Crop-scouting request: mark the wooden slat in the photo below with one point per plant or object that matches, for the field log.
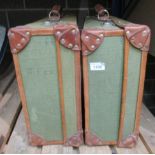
(139, 149)
(8, 115)
(147, 130)
(5, 83)
(18, 142)
(58, 149)
(95, 150)
(7, 96)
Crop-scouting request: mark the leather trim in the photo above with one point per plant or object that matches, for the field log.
(91, 40)
(92, 139)
(138, 35)
(129, 142)
(68, 36)
(18, 38)
(76, 140)
(36, 140)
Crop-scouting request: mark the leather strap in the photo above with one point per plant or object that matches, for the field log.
(103, 14)
(54, 14)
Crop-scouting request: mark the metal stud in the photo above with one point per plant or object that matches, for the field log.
(73, 31)
(98, 40)
(58, 33)
(128, 32)
(76, 46)
(27, 33)
(144, 33)
(18, 45)
(62, 41)
(140, 45)
(86, 37)
(70, 45)
(86, 52)
(92, 46)
(14, 50)
(23, 40)
(12, 34)
(101, 35)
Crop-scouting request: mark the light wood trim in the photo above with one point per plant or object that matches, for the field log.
(78, 89)
(112, 33)
(21, 91)
(140, 90)
(47, 31)
(61, 90)
(86, 94)
(124, 88)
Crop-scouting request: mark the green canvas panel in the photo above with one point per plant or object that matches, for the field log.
(39, 72)
(105, 89)
(95, 24)
(42, 22)
(68, 70)
(132, 90)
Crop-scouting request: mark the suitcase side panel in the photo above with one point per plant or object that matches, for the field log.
(68, 70)
(40, 85)
(105, 108)
(134, 63)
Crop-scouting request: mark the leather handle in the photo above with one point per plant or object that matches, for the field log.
(99, 9)
(103, 14)
(54, 14)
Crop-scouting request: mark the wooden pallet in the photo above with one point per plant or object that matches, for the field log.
(13, 134)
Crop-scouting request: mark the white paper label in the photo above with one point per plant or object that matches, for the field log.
(97, 66)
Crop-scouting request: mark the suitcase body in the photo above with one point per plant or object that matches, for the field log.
(114, 61)
(47, 62)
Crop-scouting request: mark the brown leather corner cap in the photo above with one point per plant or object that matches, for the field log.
(68, 36)
(138, 35)
(18, 38)
(91, 40)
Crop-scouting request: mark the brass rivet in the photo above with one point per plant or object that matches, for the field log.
(144, 33)
(58, 33)
(73, 31)
(18, 45)
(70, 45)
(14, 50)
(140, 45)
(27, 33)
(98, 40)
(128, 32)
(92, 46)
(62, 41)
(12, 34)
(23, 40)
(101, 35)
(76, 46)
(87, 37)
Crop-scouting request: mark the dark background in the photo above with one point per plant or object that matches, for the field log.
(19, 12)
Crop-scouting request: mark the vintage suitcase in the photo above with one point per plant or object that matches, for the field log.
(46, 55)
(114, 61)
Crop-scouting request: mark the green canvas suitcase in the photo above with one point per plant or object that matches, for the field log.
(46, 55)
(114, 61)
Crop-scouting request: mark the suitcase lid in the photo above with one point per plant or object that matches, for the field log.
(95, 30)
(64, 29)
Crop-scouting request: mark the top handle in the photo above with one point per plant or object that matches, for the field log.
(54, 14)
(103, 14)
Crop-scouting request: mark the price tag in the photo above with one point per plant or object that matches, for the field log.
(97, 66)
